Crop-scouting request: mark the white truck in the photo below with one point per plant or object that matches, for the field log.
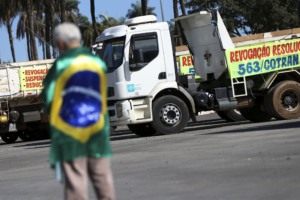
(20, 106)
(145, 92)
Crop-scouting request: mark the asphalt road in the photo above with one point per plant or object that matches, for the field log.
(212, 159)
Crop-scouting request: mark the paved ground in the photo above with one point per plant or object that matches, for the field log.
(210, 160)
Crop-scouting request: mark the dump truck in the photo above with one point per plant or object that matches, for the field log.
(260, 77)
(20, 106)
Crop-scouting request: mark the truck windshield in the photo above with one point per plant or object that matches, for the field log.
(112, 53)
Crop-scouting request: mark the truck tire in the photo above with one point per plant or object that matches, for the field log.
(142, 130)
(170, 115)
(10, 137)
(25, 135)
(255, 114)
(283, 100)
(233, 115)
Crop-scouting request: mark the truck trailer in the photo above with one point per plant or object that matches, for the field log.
(20, 105)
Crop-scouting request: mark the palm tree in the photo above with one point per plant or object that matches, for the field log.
(38, 30)
(107, 22)
(86, 29)
(30, 18)
(92, 2)
(8, 11)
(67, 12)
(23, 31)
(56, 13)
(136, 10)
(39, 27)
(45, 14)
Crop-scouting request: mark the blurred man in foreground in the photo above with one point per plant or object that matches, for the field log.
(75, 97)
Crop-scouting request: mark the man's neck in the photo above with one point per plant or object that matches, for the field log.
(73, 45)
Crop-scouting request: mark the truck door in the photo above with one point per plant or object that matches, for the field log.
(145, 63)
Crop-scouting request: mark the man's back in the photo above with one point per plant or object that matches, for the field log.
(75, 97)
(78, 114)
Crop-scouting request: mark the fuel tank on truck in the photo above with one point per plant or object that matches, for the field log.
(207, 39)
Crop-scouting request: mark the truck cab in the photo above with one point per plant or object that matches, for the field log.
(140, 65)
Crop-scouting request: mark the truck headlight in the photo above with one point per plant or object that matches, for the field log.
(3, 118)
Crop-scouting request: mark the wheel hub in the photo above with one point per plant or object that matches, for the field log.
(171, 114)
(290, 100)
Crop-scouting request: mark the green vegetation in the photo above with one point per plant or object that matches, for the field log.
(251, 17)
(139, 9)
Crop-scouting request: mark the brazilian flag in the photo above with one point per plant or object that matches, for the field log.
(74, 95)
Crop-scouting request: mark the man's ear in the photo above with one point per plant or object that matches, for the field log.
(61, 46)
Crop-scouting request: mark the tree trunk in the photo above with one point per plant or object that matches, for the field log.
(54, 54)
(92, 2)
(182, 6)
(28, 44)
(11, 39)
(34, 54)
(48, 19)
(62, 10)
(178, 40)
(175, 8)
(144, 7)
(43, 49)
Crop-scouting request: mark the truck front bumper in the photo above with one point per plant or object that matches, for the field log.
(131, 111)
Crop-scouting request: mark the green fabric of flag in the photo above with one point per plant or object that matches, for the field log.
(74, 95)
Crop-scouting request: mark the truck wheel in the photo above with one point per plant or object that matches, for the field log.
(170, 114)
(283, 100)
(233, 115)
(9, 137)
(25, 135)
(142, 130)
(255, 114)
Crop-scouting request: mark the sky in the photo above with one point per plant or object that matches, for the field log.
(113, 8)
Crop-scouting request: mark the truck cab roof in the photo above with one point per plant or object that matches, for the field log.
(148, 22)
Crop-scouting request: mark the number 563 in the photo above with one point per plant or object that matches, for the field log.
(248, 68)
